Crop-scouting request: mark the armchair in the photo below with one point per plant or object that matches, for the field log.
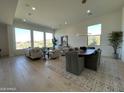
(33, 53)
(54, 54)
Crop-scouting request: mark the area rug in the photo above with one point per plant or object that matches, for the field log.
(106, 79)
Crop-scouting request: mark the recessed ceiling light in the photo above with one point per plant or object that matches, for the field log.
(88, 11)
(33, 8)
(24, 20)
(66, 22)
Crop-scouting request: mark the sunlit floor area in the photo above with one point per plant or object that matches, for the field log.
(22, 74)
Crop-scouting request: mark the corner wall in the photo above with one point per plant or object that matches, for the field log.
(4, 39)
(78, 32)
(123, 34)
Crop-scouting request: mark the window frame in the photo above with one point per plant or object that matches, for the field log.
(15, 38)
(34, 40)
(94, 35)
(32, 37)
(46, 39)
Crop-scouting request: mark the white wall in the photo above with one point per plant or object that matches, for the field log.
(4, 39)
(11, 42)
(20, 24)
(123, 34)
(110, 22)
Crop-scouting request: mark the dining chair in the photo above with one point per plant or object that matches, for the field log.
(93, 61)
(74, 63)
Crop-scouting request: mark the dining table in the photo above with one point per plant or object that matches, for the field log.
(87, 52)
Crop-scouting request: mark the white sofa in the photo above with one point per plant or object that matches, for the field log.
(54, 54)
(34, 53)
(64, 50)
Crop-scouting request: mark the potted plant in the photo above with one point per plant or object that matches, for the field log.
(115, 39)
(54, 41)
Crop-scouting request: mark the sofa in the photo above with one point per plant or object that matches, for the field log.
(34, 53)
(54, 54)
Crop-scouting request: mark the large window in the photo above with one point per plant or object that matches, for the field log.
(23, 38)
(49, 37)
(38, 38)
(94, 33)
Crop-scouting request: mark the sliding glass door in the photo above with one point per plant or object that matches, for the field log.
(38, 38)
(22, 38)
(49, 37)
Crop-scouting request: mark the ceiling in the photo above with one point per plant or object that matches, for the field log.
(7, 11)
(54, 13)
